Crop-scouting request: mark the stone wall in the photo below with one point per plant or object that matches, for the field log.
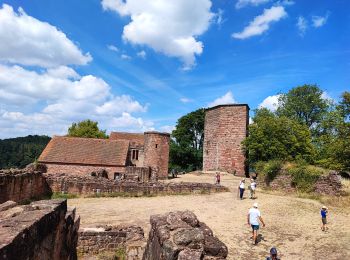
(81, 170)
(329, 184)
(129, 241)
(179, 235)
(91, 185)
(224, 130)
(156, 152)
(21, 185)
(141, 174)
(41, 230)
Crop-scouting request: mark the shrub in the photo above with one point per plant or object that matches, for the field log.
(305, 177)
(267, 171)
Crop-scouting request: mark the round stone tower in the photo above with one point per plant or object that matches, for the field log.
(225, 127)
(156, 152)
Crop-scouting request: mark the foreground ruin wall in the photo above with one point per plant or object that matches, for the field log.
(127, 241)
(179, 235)
(21, 185)
(91, 186)
(42, 230)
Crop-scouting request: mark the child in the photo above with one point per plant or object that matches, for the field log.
(324, 213)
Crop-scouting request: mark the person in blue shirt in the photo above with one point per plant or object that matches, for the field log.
(324, 213)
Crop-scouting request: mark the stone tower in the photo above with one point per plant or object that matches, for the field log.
(225, 127)
(156, 151)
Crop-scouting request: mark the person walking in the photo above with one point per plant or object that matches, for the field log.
(324, 212)
(254, 216)
(273, 254)
(241, 188)
(252, 188)
(218, 178)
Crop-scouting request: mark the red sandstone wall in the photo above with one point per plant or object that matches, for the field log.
(81, 170)
(224, 130)
(156, 152)
(21, 185)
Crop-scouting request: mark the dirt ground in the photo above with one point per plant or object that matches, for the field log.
(292, 224)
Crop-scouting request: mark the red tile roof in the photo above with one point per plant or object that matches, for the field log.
(88, 151)
(136, 139)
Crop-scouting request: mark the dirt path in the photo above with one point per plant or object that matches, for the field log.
(292, 224)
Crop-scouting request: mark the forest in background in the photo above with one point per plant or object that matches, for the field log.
(20, 151)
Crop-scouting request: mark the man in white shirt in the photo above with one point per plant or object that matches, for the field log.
(253, 220)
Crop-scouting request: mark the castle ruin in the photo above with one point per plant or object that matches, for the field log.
(225, 127)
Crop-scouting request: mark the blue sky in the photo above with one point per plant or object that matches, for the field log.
(139, 65)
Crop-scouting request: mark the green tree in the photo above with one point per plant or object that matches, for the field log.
(186, 148)
(272, 137)
(304, 104)
(333, 144)
(86, 128)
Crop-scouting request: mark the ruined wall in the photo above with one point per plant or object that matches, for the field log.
(91, 186)
(224, 130)
(21, 185)
(41, 230)
(179, 235)
(329, 184)
(156, 153)
(81, 170)
(140, 174)
(129, 241)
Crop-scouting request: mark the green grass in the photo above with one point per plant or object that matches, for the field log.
(57, 195)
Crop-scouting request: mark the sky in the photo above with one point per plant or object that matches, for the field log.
(139, 65)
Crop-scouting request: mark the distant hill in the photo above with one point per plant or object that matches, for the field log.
(20, 151)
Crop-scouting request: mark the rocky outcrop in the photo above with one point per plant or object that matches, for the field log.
(22, 185)
(41, 230)
(180, 235)
(63, 183)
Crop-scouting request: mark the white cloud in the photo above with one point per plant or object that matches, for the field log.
(319, 21)
(113, 48)
(271, 103)
(28, 41)
(225, 99)
(142, 54)
(169, 27)
(66, 97)
(243, 3)
(219, 20)
(185, 100)
(130, 123)
(167, 128)
(261, 23)
(302, 25)
(125, 57)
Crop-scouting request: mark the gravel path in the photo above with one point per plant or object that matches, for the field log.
(292, 224)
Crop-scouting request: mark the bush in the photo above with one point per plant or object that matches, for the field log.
(268, 170)
(305, 177)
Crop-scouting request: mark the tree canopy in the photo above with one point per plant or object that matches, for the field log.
(186, 146)
(304, 104)
(306, 126)
(86, 128)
